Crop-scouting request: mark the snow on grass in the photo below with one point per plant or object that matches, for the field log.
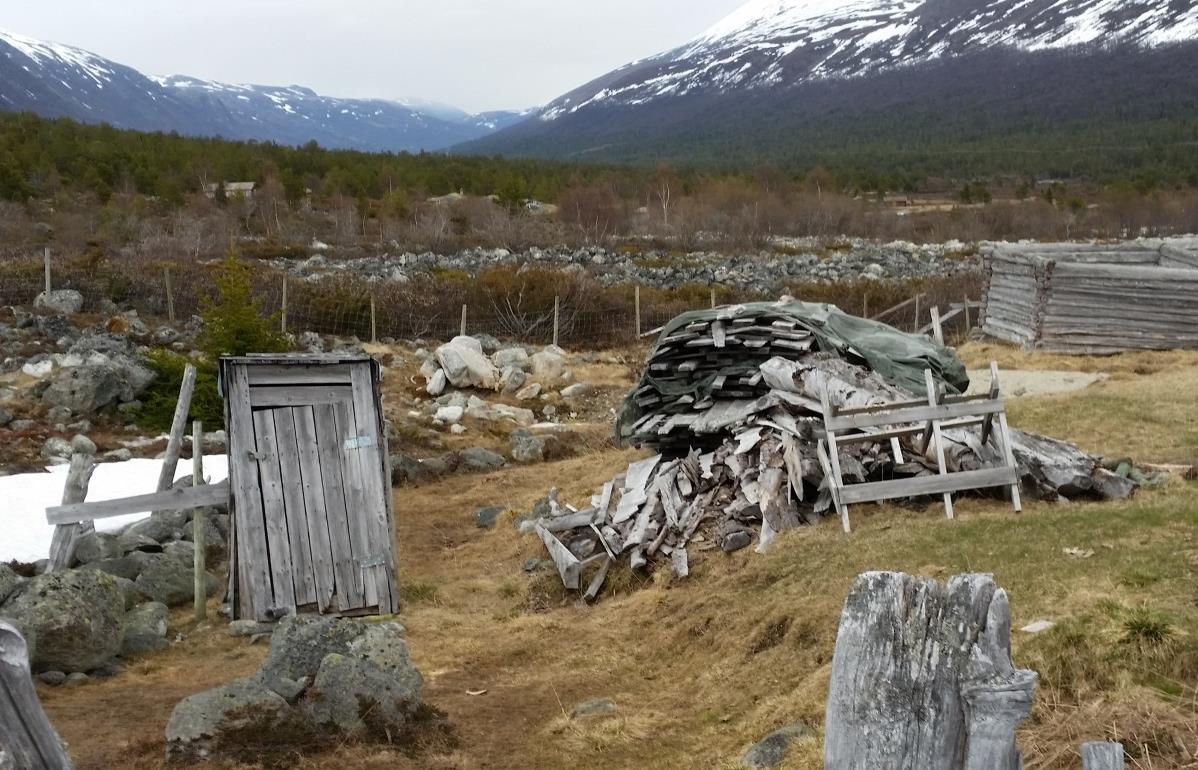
(24, 533)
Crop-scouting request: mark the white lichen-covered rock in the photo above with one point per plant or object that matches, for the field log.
(510, 357)
(465, 364)
(548, 366)
(478, 409)
(450, 415)
(73, 620)
(372, 685)
(436, 383)
(65, 301)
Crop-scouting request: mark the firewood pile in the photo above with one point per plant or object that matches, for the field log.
(736, 455)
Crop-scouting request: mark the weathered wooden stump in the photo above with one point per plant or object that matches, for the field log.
(1102, 756)
(922, 677)
(27, 740)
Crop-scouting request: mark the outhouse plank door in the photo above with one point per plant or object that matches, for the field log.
(307, 454)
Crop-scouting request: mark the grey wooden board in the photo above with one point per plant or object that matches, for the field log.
(173, 499)
(329, 444)
(252, 552)
(1101, 755)
(919, 486)
(373, 513)
(276, 396)
(277, 541)
(66, 536)
(312, 486)
(361, 544)
(298, 374)
(916, 414)
(27, 739)
(303, 573)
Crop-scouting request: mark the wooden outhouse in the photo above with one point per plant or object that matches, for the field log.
(310, 490)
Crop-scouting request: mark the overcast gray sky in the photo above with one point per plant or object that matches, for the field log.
(476, 54)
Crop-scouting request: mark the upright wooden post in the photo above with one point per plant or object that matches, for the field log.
(937, 329)
(713, 297)
(170, 461)
(27, 739)
(865, 306)
(66, 536)
(283, 313)
(557, 308)
(197, 523)
(638, 312)
(965, 307)
(374, 328)
(46, 259)
(170, 295)
(462, 333)
(918, 298)
(1102, 756)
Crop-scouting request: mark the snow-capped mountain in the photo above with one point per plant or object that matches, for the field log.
(773, 43)
(56, 80)
(779, 77)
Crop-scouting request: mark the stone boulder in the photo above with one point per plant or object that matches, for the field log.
(515, 357)
(548, 366)
(73, 620)
(96, 385)
(168, 577)
(373, 686)
(10, 581)
(465, 364)
(65, 301)
(771, 750)
(323, 676)
(479, 409)
(97, 546)
(202, 724)
(145, 628)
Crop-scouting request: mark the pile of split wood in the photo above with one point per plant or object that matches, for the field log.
(732, 468)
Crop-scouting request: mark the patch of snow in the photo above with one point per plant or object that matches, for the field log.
(26, 535)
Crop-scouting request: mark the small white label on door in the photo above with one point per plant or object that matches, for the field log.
(359, 442)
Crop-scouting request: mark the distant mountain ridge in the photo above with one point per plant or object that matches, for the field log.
(779, 79)
(55, 80)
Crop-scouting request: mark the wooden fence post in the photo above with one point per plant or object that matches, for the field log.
(170, 460)
(46, 258)
(918, 297)
(462, 333)
(197, 524)
(638, 312)
(283, 313)
(965, 306)
(27, 739)
(1102, 756)
(865, 306)
(557, 307)
(713, 298)
(374, 328)
(922, 677)
(66, 536)
(937, 329)
(170, 295)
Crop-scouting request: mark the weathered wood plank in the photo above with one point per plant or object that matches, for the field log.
(920, 486)
(170, 460)
(299, 374)
(312, 487)
(27, 739)
(329, 443)
(356, 501)
(1102, 756)
(948, 411)
(173, 499)
(376, 488)
(303, 573)
(66, 534)
(248, 518)
(277, 539)
(301, 395)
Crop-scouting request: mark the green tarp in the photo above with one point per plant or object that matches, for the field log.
(900, 358)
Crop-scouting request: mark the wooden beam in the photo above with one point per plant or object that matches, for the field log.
(66, 536)
(170, 461)
(921, 486)
(172, 499)
(916, 414)
(27, 739)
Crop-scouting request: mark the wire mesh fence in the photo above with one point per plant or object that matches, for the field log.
(574, 312)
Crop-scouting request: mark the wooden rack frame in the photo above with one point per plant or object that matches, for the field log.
(925, 419)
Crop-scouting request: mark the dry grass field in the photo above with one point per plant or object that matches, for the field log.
(702, 667)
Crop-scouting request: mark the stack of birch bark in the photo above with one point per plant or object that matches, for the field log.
(741, 463)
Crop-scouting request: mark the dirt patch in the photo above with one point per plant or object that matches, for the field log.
(1021, 383)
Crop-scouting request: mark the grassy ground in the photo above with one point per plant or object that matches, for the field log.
(702, 667)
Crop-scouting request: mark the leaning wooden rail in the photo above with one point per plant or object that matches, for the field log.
(172, 499)
(27, 739)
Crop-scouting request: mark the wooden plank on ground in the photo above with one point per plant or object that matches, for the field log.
(329, 444)
(275, 511)
(303, 573)
(312, 487)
